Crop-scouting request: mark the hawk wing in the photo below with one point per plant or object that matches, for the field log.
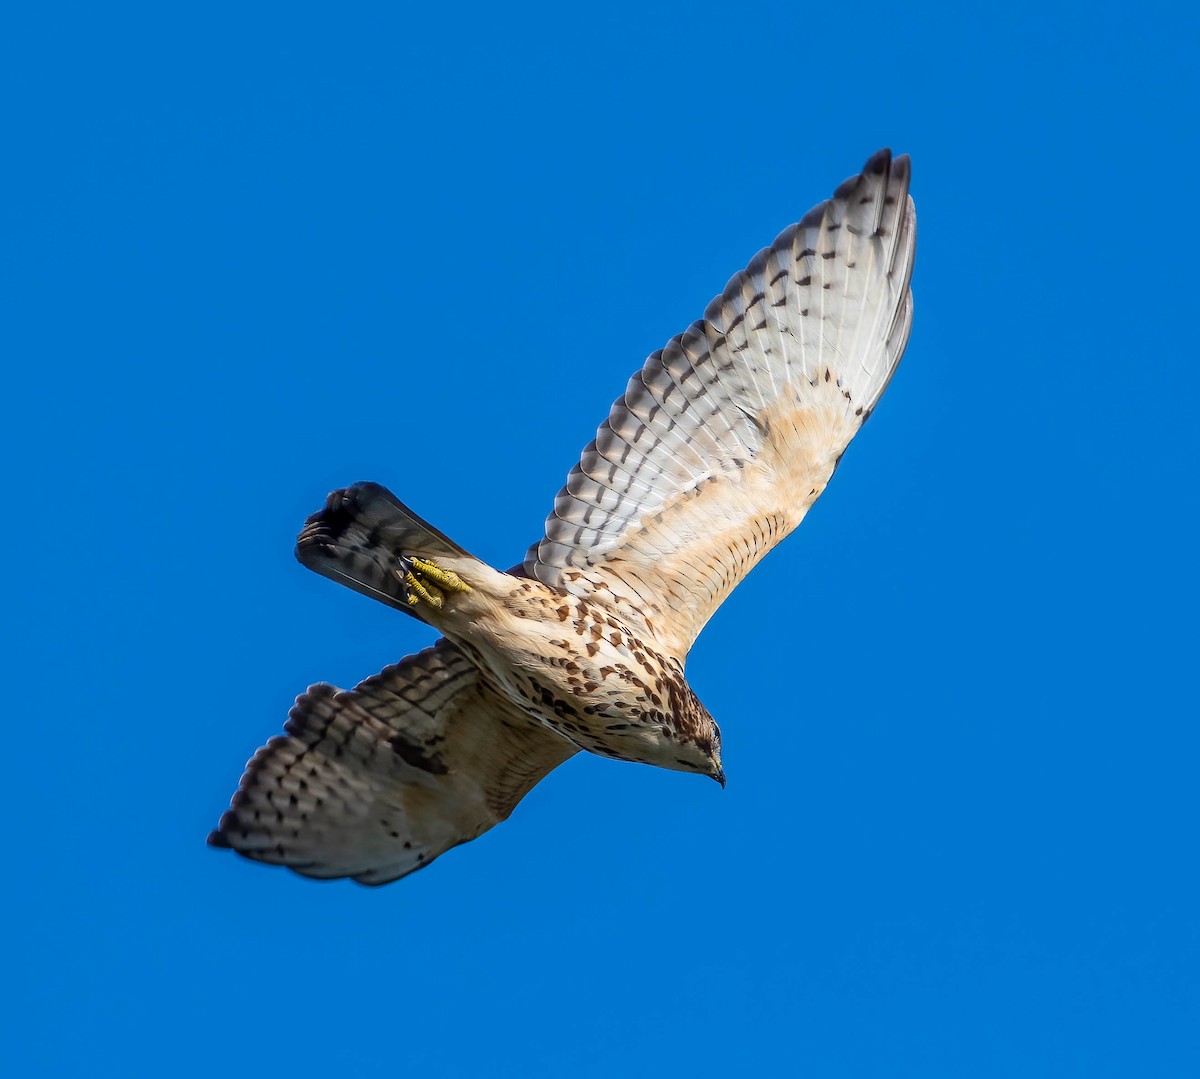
(728, 435)
(375, 782)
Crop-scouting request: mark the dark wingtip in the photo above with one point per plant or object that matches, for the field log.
(216, 838)
(878, 163)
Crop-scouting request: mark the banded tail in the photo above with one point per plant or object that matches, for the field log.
(362, 538)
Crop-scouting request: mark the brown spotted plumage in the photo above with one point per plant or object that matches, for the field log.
(714, 454)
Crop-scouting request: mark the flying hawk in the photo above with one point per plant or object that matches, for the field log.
(719, 446)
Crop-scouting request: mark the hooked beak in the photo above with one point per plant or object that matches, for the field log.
(719, 776)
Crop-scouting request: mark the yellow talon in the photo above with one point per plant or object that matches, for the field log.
(447, 579)
(430, 594)
(426, 580)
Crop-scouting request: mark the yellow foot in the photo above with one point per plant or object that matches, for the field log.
(426, 580)
(443, 578)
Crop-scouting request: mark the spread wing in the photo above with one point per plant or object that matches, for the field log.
(728, 435)
(375, 782)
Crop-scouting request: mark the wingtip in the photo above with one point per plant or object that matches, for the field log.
(884, 163)
(216, 838)
(878, 163)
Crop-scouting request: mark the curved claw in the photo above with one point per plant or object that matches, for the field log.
(425, 580)
(443, 578)
(419, 590)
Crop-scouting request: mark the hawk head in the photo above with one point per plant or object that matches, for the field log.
(703, 747)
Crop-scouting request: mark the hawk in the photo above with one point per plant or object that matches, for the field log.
(715, 452)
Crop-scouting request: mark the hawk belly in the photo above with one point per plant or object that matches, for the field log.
(580, 671)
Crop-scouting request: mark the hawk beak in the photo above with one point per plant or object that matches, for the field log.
(719, 776)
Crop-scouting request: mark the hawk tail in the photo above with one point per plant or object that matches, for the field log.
(360, 536)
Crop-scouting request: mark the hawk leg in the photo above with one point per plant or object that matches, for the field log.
(424, 580)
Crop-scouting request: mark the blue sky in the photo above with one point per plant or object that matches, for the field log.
(252, 253)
